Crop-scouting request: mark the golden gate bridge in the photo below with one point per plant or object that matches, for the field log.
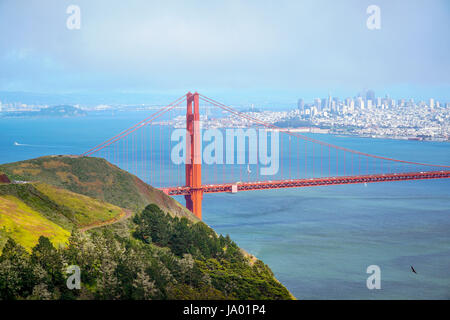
(305, 162)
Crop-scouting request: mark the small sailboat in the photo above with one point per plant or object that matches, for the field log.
(365, 184)
(248, 169)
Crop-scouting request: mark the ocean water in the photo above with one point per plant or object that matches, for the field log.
(318, 241)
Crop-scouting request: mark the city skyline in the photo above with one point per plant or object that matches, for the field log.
(38, 99)
(368, 99)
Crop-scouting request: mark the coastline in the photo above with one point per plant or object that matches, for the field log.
(317, 130)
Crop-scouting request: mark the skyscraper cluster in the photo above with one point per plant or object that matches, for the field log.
(364, 100)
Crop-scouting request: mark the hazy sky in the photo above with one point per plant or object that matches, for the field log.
(281, 48)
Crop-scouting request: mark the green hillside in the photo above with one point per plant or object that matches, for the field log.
(25, 225)
(164, 257)
(28, 211)
(96, 178)
(62, 211)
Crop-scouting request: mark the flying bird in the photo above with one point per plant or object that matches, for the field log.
(412, 269)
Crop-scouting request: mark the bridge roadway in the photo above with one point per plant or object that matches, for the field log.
(313, 182)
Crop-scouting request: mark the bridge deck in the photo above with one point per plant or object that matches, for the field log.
(297, 183)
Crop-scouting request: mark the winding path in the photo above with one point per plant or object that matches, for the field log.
(124, 215)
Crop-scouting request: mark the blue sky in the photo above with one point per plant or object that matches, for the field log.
(272, 49)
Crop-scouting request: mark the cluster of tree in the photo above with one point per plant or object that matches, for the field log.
(38, 275)
(111, 268)
(217, 257)
(184, 237)
(166, 258)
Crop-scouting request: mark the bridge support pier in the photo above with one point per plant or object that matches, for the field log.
(194, 202)
(193, 156)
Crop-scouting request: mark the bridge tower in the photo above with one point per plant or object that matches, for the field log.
(193, 156)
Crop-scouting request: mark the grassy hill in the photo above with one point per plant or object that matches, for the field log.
(25, 225)
(67, 192)
(96, 178)
(30, 210)
(164, 252)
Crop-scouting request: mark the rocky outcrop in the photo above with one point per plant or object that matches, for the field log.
(4, 178)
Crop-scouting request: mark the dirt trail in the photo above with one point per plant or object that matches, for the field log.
(124, 215)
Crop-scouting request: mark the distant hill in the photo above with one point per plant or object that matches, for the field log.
(56, 111)
(85, 98)
(96, 178)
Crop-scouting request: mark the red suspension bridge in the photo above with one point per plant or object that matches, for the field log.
(148, 149)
